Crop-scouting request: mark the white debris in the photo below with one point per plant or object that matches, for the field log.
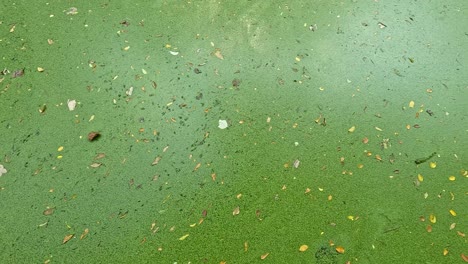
(71, 104)
(223, 124)
(296, 164)
(2, 170)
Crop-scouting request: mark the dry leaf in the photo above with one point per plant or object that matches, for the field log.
(156, 161)
(48, 211)
(352, 129)
(85, 233)
(465, 258)
(100, 156)
(340, 249)
(183, 237)
(264, 256)
(303, 248)
(95, 165)
(452, 226)
(218, 54)
(67, 238)
(236, 211)
(432, 218)
(197, 166)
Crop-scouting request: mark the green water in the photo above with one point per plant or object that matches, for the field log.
(290, 78)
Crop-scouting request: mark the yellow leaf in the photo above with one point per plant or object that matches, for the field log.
(352, 129)
(303, 248)
(453, 213)
(445, 252)
(432, 218)
(264, 256)
(183, 237)
(432, 165)
(411, 104)
(420, 178)
(452, 178)
(340, 249)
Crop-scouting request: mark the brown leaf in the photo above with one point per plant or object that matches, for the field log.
(93, 135)
(48, 211)
(67, 238)
(464, 257)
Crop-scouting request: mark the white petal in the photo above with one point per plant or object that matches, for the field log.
(223, 124)
(71, 105)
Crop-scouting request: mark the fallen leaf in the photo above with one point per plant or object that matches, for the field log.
(411, 104)
(197, 166)
(156, 161)
(100, 156)
(218, 54)
(429, 228)
(95, 165)
(452, 212)
(296, 164)
(303, 248)
(48, 211)
(352, 129)
(264, 256)
(452, 226)
(432, 218)
(85, 233)
(67, 238)
(183, 237)
(340, 249)
(465, 258)
(236, 211)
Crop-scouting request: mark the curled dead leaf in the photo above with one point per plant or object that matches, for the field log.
(67, 238)
(340, 249)
(84, 234)
(264, 256)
